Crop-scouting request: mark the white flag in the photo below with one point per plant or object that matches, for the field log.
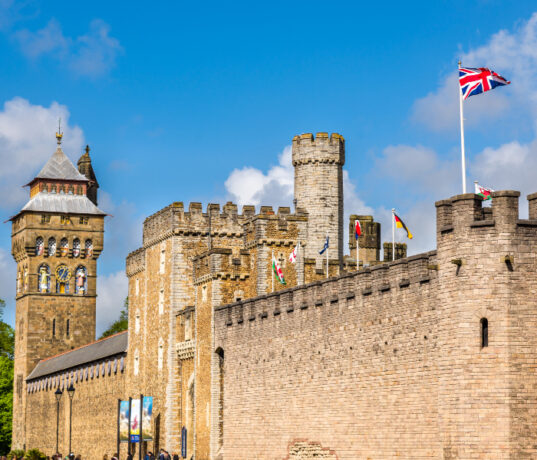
(292, 256)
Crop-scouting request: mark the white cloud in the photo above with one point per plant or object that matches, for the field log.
(111, 293)
(251, 186)
(27, 141)
(92, 54)
(418, 169)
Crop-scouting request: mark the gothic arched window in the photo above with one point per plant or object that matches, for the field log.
(43, 278)
(63, 275)
(51, 246)
(39, 246)
(81, 280)
(89, 249)
(76, 247)
(64, 247)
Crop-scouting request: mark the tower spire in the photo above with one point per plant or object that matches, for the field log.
(59, 134)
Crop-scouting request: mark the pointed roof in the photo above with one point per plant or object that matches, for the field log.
(60, 167)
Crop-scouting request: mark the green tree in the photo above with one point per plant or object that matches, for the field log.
(7, 346)
(120, 324)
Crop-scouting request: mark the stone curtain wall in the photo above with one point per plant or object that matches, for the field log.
(345, 364)
(97, 389)
(388, 362)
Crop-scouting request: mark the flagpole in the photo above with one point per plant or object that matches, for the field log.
(327, 257)
(463, 157)
(393, 233)
(298, 276)
(357, 249)
(272, 269)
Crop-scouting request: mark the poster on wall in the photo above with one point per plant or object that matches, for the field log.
(124, 421)
(135, 420)
(147, 415)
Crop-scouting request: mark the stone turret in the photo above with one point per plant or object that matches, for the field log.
(85, 167)
(369, 241)
(318, 163)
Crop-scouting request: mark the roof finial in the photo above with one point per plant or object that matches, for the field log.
(87, 149)
(59, 134)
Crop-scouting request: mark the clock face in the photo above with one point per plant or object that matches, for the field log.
(63, 273)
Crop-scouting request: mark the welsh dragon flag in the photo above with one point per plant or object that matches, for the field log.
(277, 270)
(483, 192)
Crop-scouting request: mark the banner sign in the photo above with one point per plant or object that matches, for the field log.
(135, 420)
(183, 442)
(124, 421)
(147, 416)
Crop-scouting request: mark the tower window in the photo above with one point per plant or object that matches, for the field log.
(54, 327)
(64, 247)
(45, 219)
(76, 247)
(43, 278)
(67, 328)
(136, 362)
(160, 357)
(484, 332)
(39, 246)
(89, 249)
(84, 220)
(137, 322)
(162, 258)
(51, 247)
(64, 220)
(161, 302)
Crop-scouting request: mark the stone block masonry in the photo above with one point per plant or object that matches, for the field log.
(392, 361)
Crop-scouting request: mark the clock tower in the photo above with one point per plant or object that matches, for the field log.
(57, 238)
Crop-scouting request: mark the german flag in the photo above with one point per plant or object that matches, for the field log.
(400, 224)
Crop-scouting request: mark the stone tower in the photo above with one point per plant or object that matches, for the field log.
(369, 241)
(56, 240)
(318, 164)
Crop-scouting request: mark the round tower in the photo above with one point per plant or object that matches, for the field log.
(318, 163)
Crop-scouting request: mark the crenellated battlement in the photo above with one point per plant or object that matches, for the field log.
(465, 213)
(223, 221)
(135, 262)
(322, 148)
(370, 285)
(221, 263)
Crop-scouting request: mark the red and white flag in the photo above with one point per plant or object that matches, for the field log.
(357, 229)
(293, 255)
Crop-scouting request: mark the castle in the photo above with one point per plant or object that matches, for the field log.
(430, 356)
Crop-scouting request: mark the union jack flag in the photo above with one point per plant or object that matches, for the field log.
(477, 81)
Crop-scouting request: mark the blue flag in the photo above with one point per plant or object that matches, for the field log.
(326, 245)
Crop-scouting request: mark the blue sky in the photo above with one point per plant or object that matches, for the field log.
(199, 102)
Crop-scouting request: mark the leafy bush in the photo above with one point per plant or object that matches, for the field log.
(15, 453)
(35, 454)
